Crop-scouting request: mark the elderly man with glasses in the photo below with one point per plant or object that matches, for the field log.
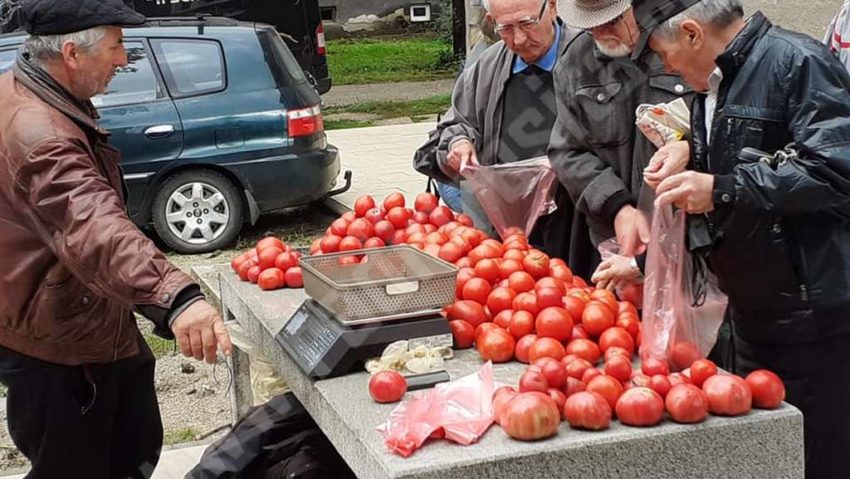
(503, 109)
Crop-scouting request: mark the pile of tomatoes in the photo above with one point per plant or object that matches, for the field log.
(588, 397)
(271, 264)
(426, 226)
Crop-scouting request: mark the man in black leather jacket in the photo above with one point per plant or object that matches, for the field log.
(778, 224)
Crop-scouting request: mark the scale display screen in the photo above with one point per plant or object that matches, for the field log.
(310, 340)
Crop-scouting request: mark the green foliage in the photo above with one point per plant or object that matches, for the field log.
(390, 59)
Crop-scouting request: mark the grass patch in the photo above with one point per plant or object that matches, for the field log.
(160, 347)
(414, 110)
(376, 60)
(180, 436)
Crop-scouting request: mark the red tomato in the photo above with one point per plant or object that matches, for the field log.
(531, 416)
(533, 379)
(488, 269)
(501, 398)
(573, 386)
(522, 324)
(683, 354)
(561, 272)
(728, 395)
(425, 202)
(608, 387)
(640, 379)
(536, 263)
(768, 390)
(686, 404)
(393, 200)
(579, 332)
(363, 204)
(596, 318)
(555, 373)
(398, 217)
(514, 254)
(485, 326)
(440, 216)
(606, 297)
(619, 367)
(584, 348)
(398, 237)
(374, 216)
(500, 299)
(616, 351)
(616, 336)
(349, 216)
(387, 386)
(550, 282)
(679, 378)
(526, 302)
(464, 263)
(254, 273)
(589, 374)
(270, 242)
(521, 282)
(285, 260)
(496, 345)
(577, 368)
(630, 322)
(702, 369)
(330, 243)
(376, 242)
(237, 261)
(476, 289)
(503, 318)
(554, 323)
(469, 311)
(465, 220)
(558, 397)
(349, 260)
(550, 297)
(293, 277)
(640, 407)
(422, 219)
(350, 243)
(463, 333)
(361, 229)
(339, 227)
(522, 346)
(463, 275)
(587, 410)
(384, 230)
(450, 252)
(575, 306)
(267, 256)
(508, 267)
(272, 278)
(546, 347)
(660, 384)
(653, 366)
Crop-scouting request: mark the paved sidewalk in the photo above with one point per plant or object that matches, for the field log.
(381, 158)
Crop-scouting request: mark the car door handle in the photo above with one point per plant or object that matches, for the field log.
(159, 131)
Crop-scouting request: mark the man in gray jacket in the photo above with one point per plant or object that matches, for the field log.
(596, 149)
(503, 110)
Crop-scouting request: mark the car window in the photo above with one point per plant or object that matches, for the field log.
(284, 66)
(134, 83)
(7, 59)
(190, 67)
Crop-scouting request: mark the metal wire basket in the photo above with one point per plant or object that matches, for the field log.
(389, 281)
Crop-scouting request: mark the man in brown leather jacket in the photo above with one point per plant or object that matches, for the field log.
(73, 267)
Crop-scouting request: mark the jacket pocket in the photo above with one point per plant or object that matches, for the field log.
(62, 300)
(754, 127)
(603, 108)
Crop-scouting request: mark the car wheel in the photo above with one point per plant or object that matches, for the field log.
(197, 211)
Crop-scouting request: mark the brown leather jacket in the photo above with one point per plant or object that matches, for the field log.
(72, 264)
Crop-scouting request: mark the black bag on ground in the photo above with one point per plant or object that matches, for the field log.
(276, 440)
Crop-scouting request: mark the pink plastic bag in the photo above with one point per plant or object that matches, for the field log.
(461, 411)
(682, 305)
(514, 194)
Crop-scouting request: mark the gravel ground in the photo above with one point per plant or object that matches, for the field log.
(197, 402)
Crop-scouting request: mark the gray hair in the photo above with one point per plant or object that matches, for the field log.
(42, 48)
(717, 13)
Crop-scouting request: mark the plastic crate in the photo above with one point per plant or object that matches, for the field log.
(392, 281)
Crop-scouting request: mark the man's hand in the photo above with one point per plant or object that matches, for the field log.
(632, 230)
(689, 191)
(669, 160)
(616, 271)
(200, 332)
(461, 154)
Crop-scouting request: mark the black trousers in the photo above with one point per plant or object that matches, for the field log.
(95, 421)
(817, 381)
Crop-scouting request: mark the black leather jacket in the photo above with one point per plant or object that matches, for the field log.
(780, 233)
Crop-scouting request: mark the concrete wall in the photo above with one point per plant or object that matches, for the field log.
(807, 16)
(348, 9)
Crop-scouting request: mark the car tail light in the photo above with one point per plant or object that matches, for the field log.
(320, 39)
(304, 122)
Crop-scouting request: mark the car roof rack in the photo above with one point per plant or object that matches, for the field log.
(201, 19)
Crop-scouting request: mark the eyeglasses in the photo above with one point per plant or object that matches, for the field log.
(524, 24)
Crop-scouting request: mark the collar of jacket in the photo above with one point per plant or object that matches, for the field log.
(731, 60)
(567, 35)
(37, 80)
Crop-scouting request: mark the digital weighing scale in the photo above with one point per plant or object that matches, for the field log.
(323, 347)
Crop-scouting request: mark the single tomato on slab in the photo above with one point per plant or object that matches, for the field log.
(531, 416)
(387, 386)
(587, 410)
(640, 407)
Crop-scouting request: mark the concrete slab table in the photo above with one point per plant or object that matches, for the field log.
(763, 444)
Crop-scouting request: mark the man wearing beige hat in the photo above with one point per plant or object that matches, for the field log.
(598, 153)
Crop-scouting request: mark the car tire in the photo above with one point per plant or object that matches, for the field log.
(205, 202)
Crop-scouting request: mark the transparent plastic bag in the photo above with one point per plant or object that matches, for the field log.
(683, 306)
(632, 293)
(460, 411)
(513, 194)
